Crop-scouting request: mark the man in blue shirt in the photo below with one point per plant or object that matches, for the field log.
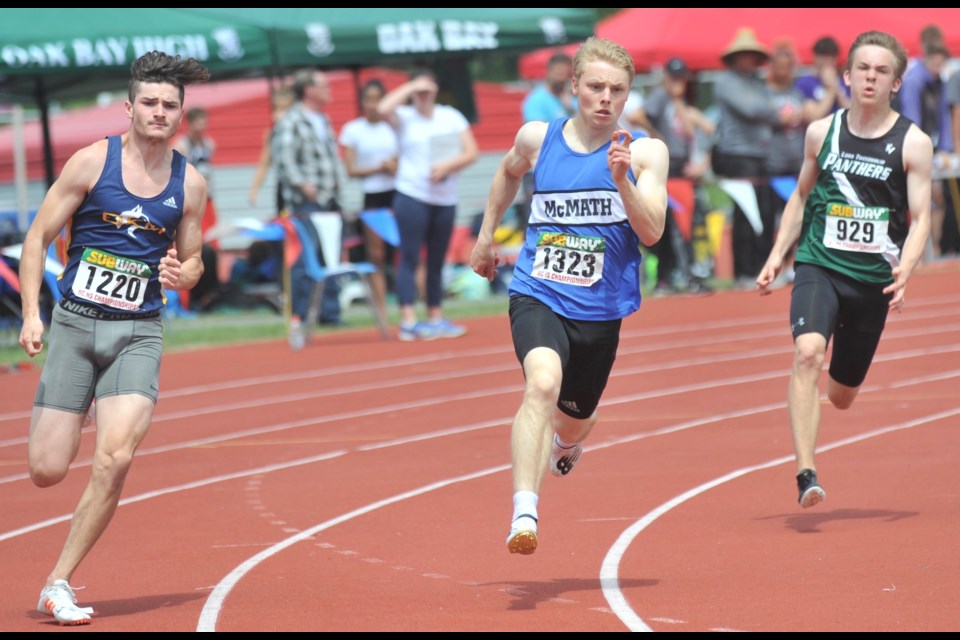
(552, 99)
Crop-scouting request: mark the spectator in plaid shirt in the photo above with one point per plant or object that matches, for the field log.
(310, 175)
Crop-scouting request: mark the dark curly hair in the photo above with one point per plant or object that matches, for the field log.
(157, 66)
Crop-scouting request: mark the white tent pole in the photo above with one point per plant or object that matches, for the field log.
(20, 167)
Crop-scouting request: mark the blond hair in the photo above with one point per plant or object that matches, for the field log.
(599, 49)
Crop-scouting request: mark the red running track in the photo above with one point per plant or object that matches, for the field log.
(363, 485)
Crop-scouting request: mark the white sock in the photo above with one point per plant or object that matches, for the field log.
(525, 504)
(562, 444)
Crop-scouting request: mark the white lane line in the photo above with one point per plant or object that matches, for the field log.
(258, 471)
(609, 569)
(214, 603)
(699, 328)
(372, 411)
(181, 487)
(608, 579)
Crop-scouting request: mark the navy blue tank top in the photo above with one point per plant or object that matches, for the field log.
(117, 240)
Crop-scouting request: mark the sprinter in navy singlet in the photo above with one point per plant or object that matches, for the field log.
(117, 240)
(132, 208)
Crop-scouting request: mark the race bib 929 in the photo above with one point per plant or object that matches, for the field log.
(856, 228)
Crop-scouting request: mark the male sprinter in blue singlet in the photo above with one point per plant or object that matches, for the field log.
(863, 170)
(134, 209)
(598, 194)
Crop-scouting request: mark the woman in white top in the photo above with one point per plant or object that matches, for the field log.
(370, 152)
(435, 145)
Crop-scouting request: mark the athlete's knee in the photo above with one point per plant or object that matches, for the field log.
(44, 474)
(842, 402)
(809, 354)
(543, 385)
(48, 465)
(592, 420)
(840, 395)
(111, 467)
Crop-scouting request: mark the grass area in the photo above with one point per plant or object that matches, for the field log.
(232, 326)
(229, 326)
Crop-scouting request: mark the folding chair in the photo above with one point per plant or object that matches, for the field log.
(383, 224)
(784, 186)
(329, 228)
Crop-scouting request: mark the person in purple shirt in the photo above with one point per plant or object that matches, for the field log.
(923, 99)
(824, 90)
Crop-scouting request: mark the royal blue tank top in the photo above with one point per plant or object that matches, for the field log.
(580, 256)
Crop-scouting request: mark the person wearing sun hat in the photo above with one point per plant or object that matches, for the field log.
(746, 118)
(745, 41)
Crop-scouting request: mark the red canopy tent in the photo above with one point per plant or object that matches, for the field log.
(698, 36)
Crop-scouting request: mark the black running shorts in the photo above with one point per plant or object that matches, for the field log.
(587, 350)
(852, 313)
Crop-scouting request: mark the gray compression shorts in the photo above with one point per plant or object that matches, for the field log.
(91, 357)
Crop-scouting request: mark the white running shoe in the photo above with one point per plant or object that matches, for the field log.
(417, 331)
(60, 602)
(523, 535)
(563, 459)
(297, 335)
(443, 328)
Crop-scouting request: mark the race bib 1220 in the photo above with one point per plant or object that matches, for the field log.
(111, 280)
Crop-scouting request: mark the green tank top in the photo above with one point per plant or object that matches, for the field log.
(855, 220)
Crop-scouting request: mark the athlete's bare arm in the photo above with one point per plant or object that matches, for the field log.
(63, 199)
(646, 201)
(182, 267)
(918, 161)
(503, 191)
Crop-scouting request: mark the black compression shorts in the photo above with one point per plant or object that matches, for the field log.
(587, 350)
(852, 313)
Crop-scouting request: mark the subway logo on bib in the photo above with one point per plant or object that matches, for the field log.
(856, 228)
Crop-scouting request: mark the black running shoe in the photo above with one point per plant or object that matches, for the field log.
(811, 492)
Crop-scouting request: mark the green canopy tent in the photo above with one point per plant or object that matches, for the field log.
(48, 54)
(346, 37)
(77, 52)
(445, 38)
